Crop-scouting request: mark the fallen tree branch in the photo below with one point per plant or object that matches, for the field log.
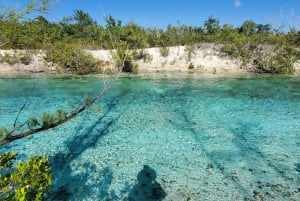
(12, 137)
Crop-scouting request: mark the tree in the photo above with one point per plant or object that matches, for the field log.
(80, 26)
(248, 27)
(134, 35)
(263, 28)
(83, 19)
(111, 22)
(212, 25)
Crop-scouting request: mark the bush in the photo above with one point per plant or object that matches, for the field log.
(142, 54)
(191, 66)
(277, 60)
(16, 58)
(123, 59)
(6, 58)
(277, 64)
(230, 50)
(72, 58)
(190, 50)
(25, 58)
(28, 180)
(263, 58)
(164, 51)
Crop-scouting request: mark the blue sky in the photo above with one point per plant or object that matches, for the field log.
(160, 13)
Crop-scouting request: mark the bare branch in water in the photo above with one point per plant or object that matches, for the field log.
(83, 107)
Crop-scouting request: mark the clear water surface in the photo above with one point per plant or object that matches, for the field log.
(165, 137)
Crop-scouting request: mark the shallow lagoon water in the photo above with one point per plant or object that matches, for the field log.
(164, 137)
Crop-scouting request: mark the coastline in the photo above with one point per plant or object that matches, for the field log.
(204, 58)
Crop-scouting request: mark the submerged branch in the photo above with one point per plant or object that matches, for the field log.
(86, 105)
(23, 106)
(12, 137)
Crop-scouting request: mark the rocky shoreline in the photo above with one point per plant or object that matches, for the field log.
(205, 58)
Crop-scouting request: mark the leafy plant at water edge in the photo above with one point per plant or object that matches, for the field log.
(16, 58)
(264, 58)
(123, 58)
(29, 180)
(191, 66)
(72, 58)
(277, 60)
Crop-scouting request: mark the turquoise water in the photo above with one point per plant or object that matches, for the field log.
(164, 137)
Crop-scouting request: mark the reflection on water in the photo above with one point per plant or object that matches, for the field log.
(202, 138)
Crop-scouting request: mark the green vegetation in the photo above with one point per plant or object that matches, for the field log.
(49, 119)
(28, 180)
(14, 58)
(123, 58)
(141, 54)
(164, 51)
(260, 47)
(71, 58)
(73, 34)
(191, 66)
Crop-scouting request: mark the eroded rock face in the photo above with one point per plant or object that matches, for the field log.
(203, 58)
(297, 67)
(35, 62)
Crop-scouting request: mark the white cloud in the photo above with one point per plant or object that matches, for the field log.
(237, 3)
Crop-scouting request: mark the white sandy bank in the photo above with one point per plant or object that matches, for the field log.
(199, 58)
(204, 58)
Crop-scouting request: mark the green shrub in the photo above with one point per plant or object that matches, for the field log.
(190, 50)
(28, 180)
(72, 58)
(16, 58)
(279, 61)
(264, 58)
(25, 58)
(4, 133)
(9, 59)
(142, 54)
(277, 64)
(230, 50)
(123, 58)
(191, 66)
(6, 58)
(164, 51)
